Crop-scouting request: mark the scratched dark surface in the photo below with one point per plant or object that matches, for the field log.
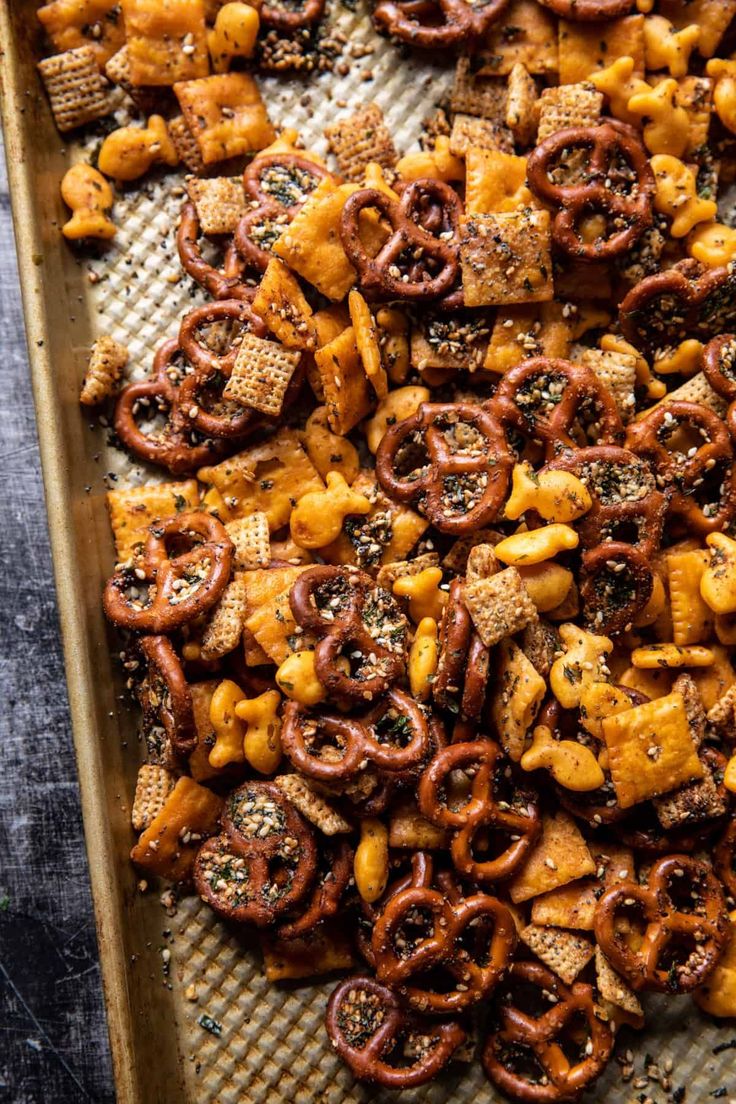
(53, 1038)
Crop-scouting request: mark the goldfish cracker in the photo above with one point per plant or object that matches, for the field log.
(537, 545)
(572, 765)
(655, 606)
(89, 196)
(718, 582)
(713, 244)
(667, 48)
(435, 164)
(370, 864)
(327, 450)
(583, 662)
(723, 72)
(297, 679)
(423, 659)
(652, 656)
(262, 743)
(547, 584)
(129, 152)
(375, 177)
(599, 700)
(286, 142)
(555, 495)
(396, 407)
(618, 84)
(318, 516)
(685, 360)
(233, 35)
(676, 195)
(228, 728)
(666, 122)
(424, 594)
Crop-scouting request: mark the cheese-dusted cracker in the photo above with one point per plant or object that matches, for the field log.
(573, 905)
(474, 131)
(360, 139)
(692, 619)
(226, 115)
(499, 605)
(77, 91)
(532, 41)
(261, 374)
(152, 787)
(311, 243)
(70, 24)
(321, 952)
(219, 202)
(560, 856)
(170, 843)
(225, 626)
(495, 182)
(166, 42)
(564, 952)
(568, 105)
(517, 695)
(583, 48)
(711, 16)
(107, 359)
(282, 305)
(268, 615)
(133, 509)
(348, 395)
(251, 538)
(312, 805)
(366, 333)
(506, 258)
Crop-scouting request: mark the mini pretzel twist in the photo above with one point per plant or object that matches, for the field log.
(616, 583)
(177, 447)
(366, 1024)
(609, 143)
(343, 606)
(719, 368)
(393, 736)
(464, 660)
(703, 929)
(685, 301)
(523, 1040)
(178, 585)
(224, 283)
(461, 480)
(516, 817)
(624, 493)
(416, 21)
(279, 184)
(164, 694)
(583, 11)
(543, 397)
(263, 862)
(434, 261)
(401, 956)
(287, 20)
(333, 877)
(681, 473)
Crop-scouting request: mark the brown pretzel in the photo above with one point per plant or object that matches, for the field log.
(608, 144)
(583, 11)
(166, 699)
(264, 861)
(335, 869)
(719, 365)
(328, 747)
(225, 283)
(724, 859)
(178, 583)
(464, 660)
(616, 583)
(366, 1025)
(177, 446)
(494, 806)
(682, 302)
(420, 873)
(288, 19)
(434, 262)
(688, 477)
(456, 462)
(438, 24)
(626, 503)
(343, 606)
(525, 1057)
(543, 397)
(403, 951)
(698, 926)
(257, 231)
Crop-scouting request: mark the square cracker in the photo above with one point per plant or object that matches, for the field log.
(226, 115)
(573, 905)
(152, 787)
(470, 130)
(517, 695)
(565, 953)
(586, 47)
(360, 139)
(77, 91)
(560, 856)
(251, 538)
(712, 16)
(219, 202)
(499, 605)
(568, 105)
(261, 374)
(311, 243)
(495, 181)
(94, 23)
(613, 988)
(506, 258)
(474, 95)
(166, 40)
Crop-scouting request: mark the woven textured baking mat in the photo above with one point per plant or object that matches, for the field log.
(271, 1043)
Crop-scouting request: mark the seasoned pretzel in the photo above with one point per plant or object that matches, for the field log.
(703, 929)
(523, 1039)
(461, 477)
(617, 580)
(263, 862)
(233, 313)
(402, 954)
(224, 283)
(529, 399)
(177, 446)
(682, 302)
(343, 606)
(177, 585)
(164, 694)
(608, 143)
(366, 1024)
(583, 11)
(393, 736)
(257, 231)
(719, 365)
(288, 20)
(433, 264)
(724, 859)
(683, 471)
(420, 873)
(437, 24)
(626, 503)
(335, 869)
(464, 660)
(515, 815)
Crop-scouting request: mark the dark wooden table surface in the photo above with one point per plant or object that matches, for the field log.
(53, 1037)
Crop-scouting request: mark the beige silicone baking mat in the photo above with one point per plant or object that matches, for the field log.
(262, 1043)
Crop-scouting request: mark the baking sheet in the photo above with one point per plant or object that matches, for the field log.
(272, 1044)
